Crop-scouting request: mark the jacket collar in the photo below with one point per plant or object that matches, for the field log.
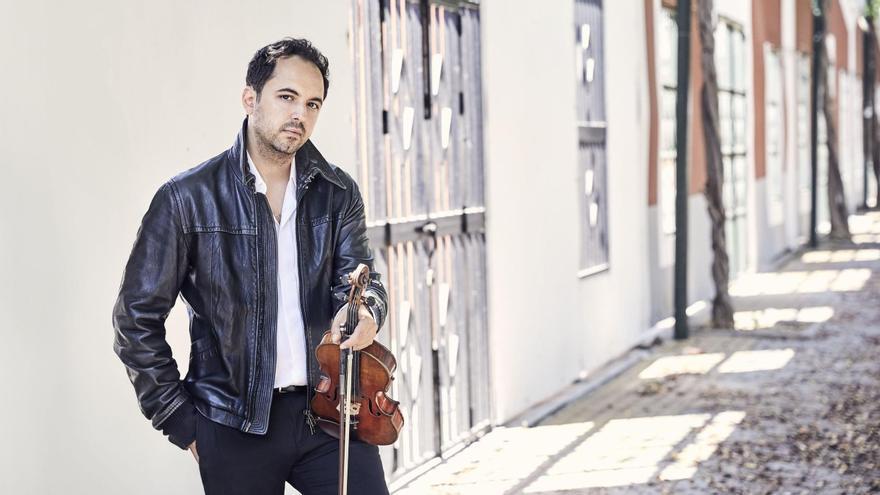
(309, 162)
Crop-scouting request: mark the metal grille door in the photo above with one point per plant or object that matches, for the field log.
(590, 97)
(421, 170)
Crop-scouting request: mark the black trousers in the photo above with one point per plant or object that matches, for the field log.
(235, 463)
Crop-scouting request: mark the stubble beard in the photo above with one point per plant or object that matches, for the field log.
(274, 145)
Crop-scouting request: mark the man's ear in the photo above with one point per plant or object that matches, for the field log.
(248, 99)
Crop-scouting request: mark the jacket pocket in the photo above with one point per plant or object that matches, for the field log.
(203, 348)
(314, 222)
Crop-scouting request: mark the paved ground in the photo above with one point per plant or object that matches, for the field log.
(789, 402)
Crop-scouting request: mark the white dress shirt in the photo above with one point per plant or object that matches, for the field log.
(290, 361)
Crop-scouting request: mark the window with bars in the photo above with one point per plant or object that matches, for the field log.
(731, 66)
(590, 101)
(803, 138)
(667, 62)
(773, 143)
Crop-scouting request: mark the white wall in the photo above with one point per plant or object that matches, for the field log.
(531, 200)
(791, 165)
(615, 305)
(699, 271)
(549, 327)
(850, 142)
(104, 101)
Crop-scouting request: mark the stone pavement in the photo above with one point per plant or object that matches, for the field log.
(788, 402)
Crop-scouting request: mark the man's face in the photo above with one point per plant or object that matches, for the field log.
(285, 114)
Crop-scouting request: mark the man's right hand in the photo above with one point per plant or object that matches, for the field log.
(192, 448)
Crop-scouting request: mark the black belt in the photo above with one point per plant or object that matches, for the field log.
(290, 389)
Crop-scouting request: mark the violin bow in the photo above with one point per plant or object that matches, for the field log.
(349, 372)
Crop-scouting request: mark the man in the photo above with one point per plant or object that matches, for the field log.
(258, 242)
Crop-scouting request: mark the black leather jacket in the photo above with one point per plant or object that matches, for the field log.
(209, 237)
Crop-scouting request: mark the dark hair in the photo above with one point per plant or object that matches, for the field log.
(262, 65)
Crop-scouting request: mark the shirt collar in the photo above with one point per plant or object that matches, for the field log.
(259, 183)
(308, 162)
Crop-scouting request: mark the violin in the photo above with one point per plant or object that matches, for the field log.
(351, 398)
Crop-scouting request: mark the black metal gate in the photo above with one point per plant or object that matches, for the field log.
(420, 167)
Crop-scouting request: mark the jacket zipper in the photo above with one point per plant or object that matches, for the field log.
(261, 307)
(251, 385)
(310, 418)
(270, 319)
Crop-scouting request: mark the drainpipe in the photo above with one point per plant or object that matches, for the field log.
(683, 15)
(818, 44)
(868, 76)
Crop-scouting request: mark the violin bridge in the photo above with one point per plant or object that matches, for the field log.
(354, 408)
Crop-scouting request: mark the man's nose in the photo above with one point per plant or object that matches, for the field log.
(297, 112)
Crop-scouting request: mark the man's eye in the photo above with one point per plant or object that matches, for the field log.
(286, 97)
(314, 105)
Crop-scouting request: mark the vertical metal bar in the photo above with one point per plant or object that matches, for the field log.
(427, 22)
(683, 15)
(867, 100)
(439, 430)
(425, 14)
(818, 44)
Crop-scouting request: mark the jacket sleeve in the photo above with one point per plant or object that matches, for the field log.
(353, 248)
(150, 285)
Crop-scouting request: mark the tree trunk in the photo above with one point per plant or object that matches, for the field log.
(836, 199)
(870, 79)
(722, 309)
(875, 156)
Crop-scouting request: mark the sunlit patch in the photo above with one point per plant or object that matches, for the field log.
(592, 479)
(865, 224)
(702, 448)
(841, 256)
(678, 365)
(862, 224)
(695, 308)
(818, 281)
(508, 462)
(815, 314)
(771, 317)
(767, 283)
(690, 311)
(866, 238)
(867, 255)
(816, 257)
(850, 279)
(764, 360)
(623, 452)
(666, 323)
